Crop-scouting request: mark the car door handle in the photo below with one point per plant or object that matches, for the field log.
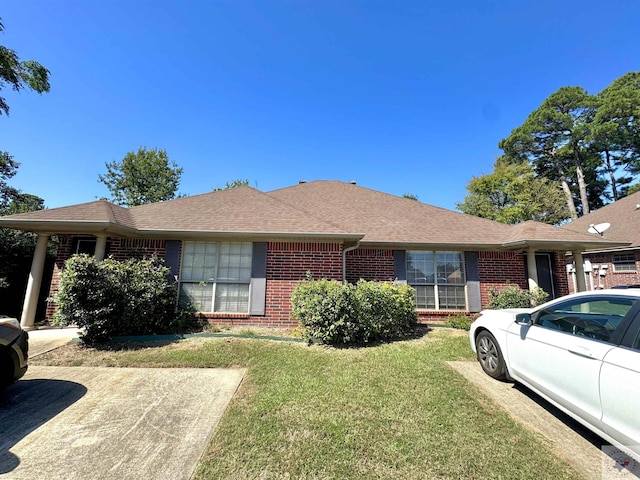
(582, 352)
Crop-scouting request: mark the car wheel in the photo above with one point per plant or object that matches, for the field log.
(490, 356)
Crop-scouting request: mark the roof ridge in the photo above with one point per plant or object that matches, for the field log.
(305, 211)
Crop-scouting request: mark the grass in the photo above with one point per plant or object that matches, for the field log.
(392, 411)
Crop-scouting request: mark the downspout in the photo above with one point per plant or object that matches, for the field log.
(344, 260)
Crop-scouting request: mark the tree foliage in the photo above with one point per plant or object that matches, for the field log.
(15, 246)
(145, 176)
(238, 182)
(19, 74)
(590, 144)
(514, 194)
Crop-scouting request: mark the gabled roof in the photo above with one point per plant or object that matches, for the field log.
(99, 215)
(319, 209)
(624, 217)
(388, 219)
(242, 210)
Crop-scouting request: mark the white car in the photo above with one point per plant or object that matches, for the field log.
(580, 352)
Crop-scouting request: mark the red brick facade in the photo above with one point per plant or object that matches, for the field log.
(603, 272)
(118, 248)
(370, 264)
(288, 263)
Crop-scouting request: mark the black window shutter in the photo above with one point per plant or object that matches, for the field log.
(258, 278)
(400, 265)
(172, 250)
(473, 282)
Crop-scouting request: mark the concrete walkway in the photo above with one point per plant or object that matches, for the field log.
(46, 339)
(80, 423)
(581, 448)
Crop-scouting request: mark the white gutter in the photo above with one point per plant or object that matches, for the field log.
(344, 260)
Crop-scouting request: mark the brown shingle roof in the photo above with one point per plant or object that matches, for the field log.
(387, 218)
(540, 234)
(97, 215)
(623, 215)
(328, 209)
(238, 210)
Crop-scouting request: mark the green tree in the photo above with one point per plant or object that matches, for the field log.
(145, 176)
(19, 74)
(238, 182)
(633, 188)
(553, 139)
(514, 194)
(15, 246)
(615, 131)
(410, 196)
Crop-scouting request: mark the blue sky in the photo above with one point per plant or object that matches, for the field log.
(400, 96)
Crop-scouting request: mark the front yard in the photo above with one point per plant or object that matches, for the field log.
(393, 411)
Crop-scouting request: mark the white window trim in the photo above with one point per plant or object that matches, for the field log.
(214, 282)
(437, 307)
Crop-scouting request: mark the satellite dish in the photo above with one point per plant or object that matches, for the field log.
(600, 228)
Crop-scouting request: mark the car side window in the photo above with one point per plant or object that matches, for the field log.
(587, 317)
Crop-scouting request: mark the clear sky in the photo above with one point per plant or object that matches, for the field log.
(400, 96)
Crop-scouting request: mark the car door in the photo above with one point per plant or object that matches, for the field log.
(620, 390)
(561, 353)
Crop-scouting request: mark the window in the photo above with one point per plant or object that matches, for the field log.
(438, 278)
(625, 262)
(586, 317)
(215, 277)
(85, 245)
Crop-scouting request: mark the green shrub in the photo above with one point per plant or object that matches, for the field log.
(344, 314)
(108, 298)
(512, 296)
(461, 321)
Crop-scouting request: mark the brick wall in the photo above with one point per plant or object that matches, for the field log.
(118, 248)
(611, 278)
(560, 274)
(370, 264)
(498, 269)
(289, 262)
(287, 265)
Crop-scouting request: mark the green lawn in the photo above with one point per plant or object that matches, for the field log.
(393, 411)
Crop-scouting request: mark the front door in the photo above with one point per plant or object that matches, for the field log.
(544, 266)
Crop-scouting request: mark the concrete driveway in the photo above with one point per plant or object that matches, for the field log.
(581, 448)
(111, 423)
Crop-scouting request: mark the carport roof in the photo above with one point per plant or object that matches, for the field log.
(319, 209)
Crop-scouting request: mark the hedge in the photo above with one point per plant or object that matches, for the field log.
(334, 313)
(110, 298)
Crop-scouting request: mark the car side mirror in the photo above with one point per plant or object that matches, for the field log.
(524, 319)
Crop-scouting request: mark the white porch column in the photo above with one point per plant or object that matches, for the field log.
(101, 247)
(579, 261)
(33, 285)
(533, 269)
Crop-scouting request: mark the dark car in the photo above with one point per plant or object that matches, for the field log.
(14, 348)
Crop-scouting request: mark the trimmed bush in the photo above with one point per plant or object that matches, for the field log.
(344, 314)
(109, 298)
(512, 296)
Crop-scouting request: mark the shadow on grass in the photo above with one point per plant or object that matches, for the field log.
(416, 333)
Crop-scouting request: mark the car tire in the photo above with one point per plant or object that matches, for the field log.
(490, 356)
(6, 369)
